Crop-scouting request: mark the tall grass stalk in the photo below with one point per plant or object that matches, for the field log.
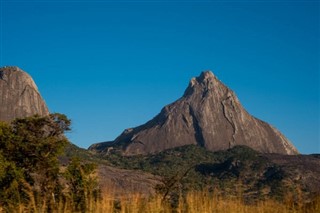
(193, 202)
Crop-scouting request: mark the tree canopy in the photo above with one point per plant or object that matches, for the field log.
(30, 173)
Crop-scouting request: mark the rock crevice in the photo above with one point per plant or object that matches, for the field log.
(228, 115)
(197, 129)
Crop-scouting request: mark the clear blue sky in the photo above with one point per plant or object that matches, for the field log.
(111, 65)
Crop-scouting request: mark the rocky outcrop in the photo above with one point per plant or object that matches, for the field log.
(122, 182)
(19, 95)
(303, 169)
(210, 115)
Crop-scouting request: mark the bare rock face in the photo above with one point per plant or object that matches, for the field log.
(210, 115)
(19, 95)
(122, 182)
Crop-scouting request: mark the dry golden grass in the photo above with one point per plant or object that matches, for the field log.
(195, 202)
(203, 202)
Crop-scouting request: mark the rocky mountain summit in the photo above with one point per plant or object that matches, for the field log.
(209, 115)
(19, 95)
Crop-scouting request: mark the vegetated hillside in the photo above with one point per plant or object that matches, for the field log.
(237, 170)
(114, 180)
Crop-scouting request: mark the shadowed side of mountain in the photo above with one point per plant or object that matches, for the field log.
(102, 146)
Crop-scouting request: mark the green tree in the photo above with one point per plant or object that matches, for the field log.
(83, 184)
(30, 148)
(12, 185)
(30, 170)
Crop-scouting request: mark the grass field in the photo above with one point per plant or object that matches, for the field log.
(195, 202)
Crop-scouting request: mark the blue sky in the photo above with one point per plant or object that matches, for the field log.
(111, 65)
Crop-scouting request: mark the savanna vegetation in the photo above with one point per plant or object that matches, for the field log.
(191, 168)
(31, 176)
(204, 202)
(40, 171)
(240, 173)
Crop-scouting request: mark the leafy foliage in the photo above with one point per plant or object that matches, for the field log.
(11, 184)
(29, 163)
(83, 184)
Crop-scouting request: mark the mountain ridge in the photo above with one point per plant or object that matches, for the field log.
(208, 114)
